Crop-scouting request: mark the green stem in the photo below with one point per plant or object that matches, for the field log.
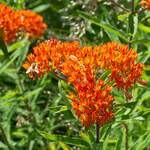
(118, 5)
(5, 138)
(132, 6)
(58, 75)
(131, 29)
(126, 136)
(97, 133)
(29, 108)
(3, 46)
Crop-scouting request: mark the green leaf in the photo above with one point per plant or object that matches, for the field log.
(119, 141)
(65, 139)
(105, 143)
(9, 94)
(17, 44)
(41, 8)
(103, 25)
(31, 145)
(3, 46)
(142, 142)
(123, 17)
(144, 28)
(29, 94)
(128, 105)
(131, 24)
(105, 75)
(52, 146)
(85, 137)
(135, 23)
(145, 96)
(59, 109)
(2, 145)
(41, 83)
(64, 146)
(23, 53)
(144, 41)
(19, 134)
(112, 36)
(145, 110)
(9, 61)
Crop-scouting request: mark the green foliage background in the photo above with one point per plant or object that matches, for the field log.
(36, 115)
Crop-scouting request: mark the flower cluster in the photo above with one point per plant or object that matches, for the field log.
(92, 102)
(82, 67)
(39, 62)
(9, 22)
(31, 23)
(122, 63)
(145, 4)
(13, 22)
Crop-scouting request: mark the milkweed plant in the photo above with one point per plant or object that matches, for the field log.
(94, 75)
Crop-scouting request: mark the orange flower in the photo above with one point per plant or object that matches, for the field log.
(47, 55)
(122, 63)
(9, 22)
(13, 22)
(31, 23)
(145, 4)
(39, 62)
(91, 101)
(50, 54)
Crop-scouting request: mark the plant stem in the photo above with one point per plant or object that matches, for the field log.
(132, 6)
(97, 133)
(118, 5)
(126, 136)
(57, 74)
(3, 46)
(132, 12)
(5, 138)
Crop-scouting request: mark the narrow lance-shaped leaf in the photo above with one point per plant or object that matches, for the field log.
(3, 45)
(67, 140)
(103, 25)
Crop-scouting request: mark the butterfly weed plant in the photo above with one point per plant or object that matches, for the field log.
(102, 85)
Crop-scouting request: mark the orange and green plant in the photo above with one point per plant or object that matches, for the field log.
(74, 75)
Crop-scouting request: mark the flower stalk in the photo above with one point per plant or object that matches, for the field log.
(131, 24)
(119, 6)
(97, 133)
(126, 136)
(3, 45)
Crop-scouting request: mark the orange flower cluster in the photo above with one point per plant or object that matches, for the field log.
(122, 63)
(145, 4)
(13, 22)
(39, 62)
(92, 103)
(82, 66)
(9, 22)
(31, 23)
